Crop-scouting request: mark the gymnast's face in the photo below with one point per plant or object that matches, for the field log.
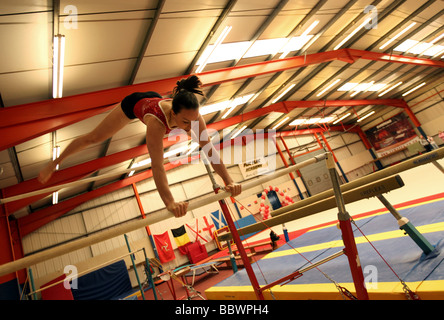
(185, 118)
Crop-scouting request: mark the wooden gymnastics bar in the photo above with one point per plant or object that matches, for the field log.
(28, 261)
(430, 157)
(307, 208)
(79, 182)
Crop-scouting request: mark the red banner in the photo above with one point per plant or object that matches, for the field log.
(392, 135)
(164, 247)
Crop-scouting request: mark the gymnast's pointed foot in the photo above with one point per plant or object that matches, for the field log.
(47, 172)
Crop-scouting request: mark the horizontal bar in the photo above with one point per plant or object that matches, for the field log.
(429, 157)
(137, 224)
(318, 263)
(298, 273)
(319, 203)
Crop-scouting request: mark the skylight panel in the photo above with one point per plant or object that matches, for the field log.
(416, 47)
(365, 86)
(235, 50)
(406, 45)
(213, 107)
(436, 49)
(219, 106)
(265, 47)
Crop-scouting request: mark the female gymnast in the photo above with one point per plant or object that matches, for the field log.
(160, 116)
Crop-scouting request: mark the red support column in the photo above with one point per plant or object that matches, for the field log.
(147, 228)
(142, 211)
(328, 146)
(351, 252)
(242, 252)
(7, 252)
(283, 157)
(289, 154)
(319, 141)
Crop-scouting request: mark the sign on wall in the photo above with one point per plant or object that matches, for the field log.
(393, 135)
(253, 168)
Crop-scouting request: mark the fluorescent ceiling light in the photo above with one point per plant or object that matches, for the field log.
(310, 28)
(55, 197)
(415, 88)
(342, 118)
(366, 116)
(219, 40)
(438, 38)
(390, 89)
(56, 154)
(328, 87)
(397, 35)
(283, 93)
(58, 65)
(280, 122)
(353, 33)
(238, 132)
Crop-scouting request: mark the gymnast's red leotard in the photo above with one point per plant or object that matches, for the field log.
(151, 106)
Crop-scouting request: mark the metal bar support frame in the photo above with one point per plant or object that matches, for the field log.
(348, 238)
(232, 227)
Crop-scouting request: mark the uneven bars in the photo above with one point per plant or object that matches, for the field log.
(306, 207)
(430, 157)
(137, 224)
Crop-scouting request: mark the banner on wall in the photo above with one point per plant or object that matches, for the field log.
(200, 229)
(181, 237)
(164, 247)
(218, 219)
(253, 168)
(393, 135)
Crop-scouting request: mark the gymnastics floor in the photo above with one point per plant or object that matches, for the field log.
(424, 275)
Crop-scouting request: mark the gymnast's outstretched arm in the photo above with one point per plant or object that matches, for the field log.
(155, 132)
(217, 164)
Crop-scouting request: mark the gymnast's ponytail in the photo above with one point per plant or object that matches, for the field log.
(183, 93)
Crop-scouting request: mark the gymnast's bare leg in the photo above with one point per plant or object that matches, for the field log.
(113, 122)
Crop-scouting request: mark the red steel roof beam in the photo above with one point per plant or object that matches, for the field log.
(52, 111)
